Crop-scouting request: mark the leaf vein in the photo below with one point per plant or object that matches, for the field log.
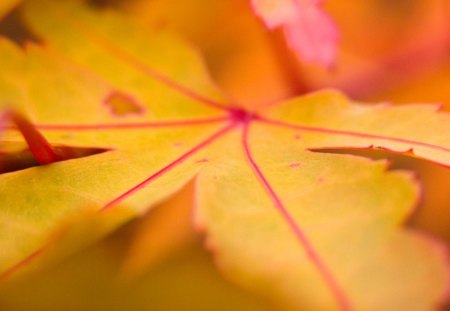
(339, 294)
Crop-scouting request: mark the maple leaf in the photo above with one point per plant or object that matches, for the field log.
(308, 229)
(309, 31)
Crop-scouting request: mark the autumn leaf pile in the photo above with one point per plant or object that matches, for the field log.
(134, 119)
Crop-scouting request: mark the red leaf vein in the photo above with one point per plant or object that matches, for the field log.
(131, 126)
(129, 59)
(170, 166)
(351, 133)
(339, 294)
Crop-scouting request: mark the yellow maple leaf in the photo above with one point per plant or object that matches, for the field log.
(310, 230)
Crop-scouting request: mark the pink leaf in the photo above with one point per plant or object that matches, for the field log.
(309, 31)
(275, 13)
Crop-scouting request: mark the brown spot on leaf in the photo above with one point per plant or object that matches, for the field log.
(294, 165)
(321, 180)
(121, 104)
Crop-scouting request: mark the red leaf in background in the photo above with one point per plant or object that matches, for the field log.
(309, 31)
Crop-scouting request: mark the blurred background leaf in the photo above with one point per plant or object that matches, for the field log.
(180, 276)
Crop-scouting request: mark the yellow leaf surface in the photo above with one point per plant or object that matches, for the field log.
(310, 230)
(296, 199)
(73, 186)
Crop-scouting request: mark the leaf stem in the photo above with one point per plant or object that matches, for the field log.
(38, 145)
